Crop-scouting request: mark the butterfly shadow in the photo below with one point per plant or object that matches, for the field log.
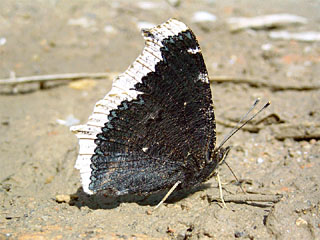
(103, 201)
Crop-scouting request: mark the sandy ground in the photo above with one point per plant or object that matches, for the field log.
(278, 154)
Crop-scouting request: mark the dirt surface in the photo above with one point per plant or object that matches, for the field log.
(277, 155)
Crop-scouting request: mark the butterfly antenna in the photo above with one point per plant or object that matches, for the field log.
(249, 111)
(237, 128)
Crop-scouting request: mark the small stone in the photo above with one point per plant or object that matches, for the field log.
(291, 153)
(186, 206)
(3, 41)
(301, 222)
(5, 123)
(306, 146)
(174, 3)
(69, 121)
(6, 187)
(147, 5)
(63, 198)
(203, 16)
(49, 179)
(260, 160)
(83, 84)
(313, 141)
(82, 22)
(238, 234)
(109, 29)
(266, 47)
(170, 230)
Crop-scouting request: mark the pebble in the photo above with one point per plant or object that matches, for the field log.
(203, 16)
(3, 41)
(260, 160)
(185, 206)
(174, 3)
(109, 29)
(147, 5)
(266, 47)
(6, 186)
(306, 147)
(69, 121)
(301, 222)
(63, 198)
(239, 234)
(81, 22)
(83, 84)
(313, 141)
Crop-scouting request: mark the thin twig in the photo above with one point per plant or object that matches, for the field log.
(247, 198)
(300, 131)
(53, 77)
(261, 84)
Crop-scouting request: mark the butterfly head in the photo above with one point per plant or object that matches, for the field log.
(217, 158)
(220, 155)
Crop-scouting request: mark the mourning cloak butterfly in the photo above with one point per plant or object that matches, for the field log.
(156, 126)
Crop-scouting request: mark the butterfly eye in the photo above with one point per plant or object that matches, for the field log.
(223, 153)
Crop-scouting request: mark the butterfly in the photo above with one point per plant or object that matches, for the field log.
(156, 127)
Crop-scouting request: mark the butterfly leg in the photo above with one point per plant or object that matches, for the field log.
(220, 190)
(168, 194)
